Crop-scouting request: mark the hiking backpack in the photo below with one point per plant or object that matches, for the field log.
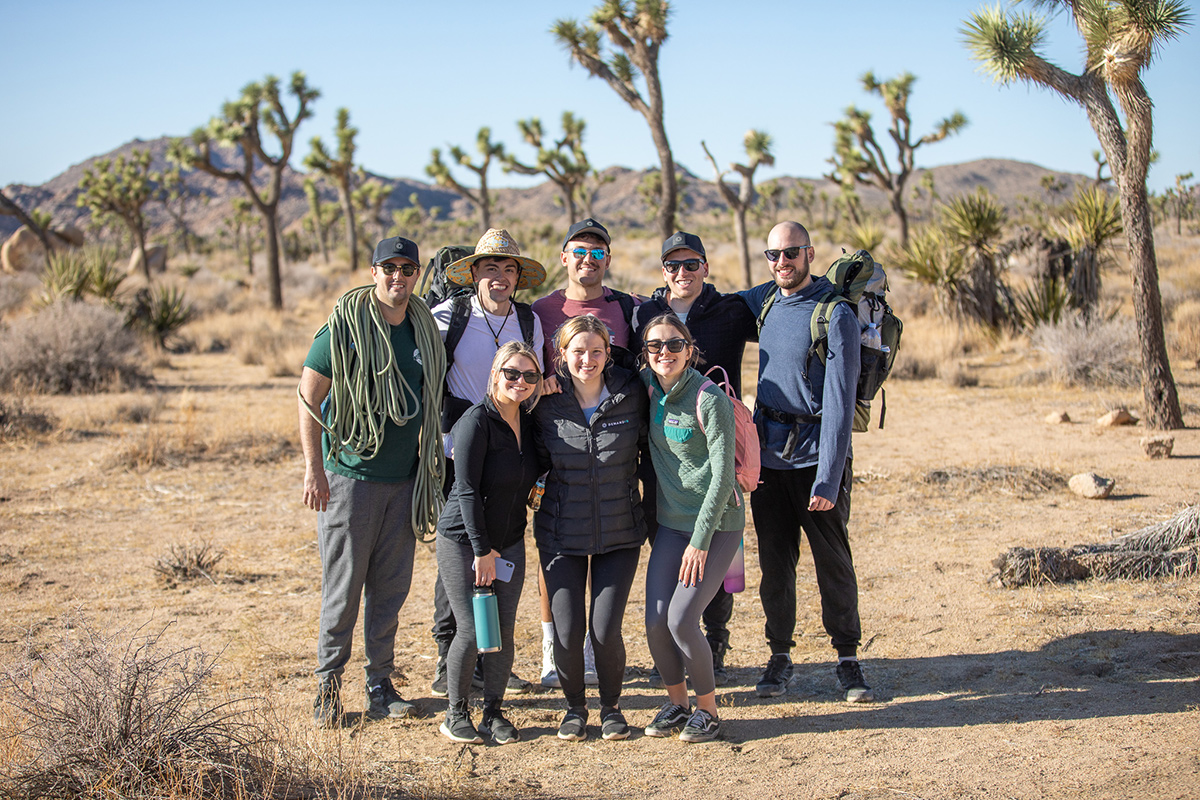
(861, 282)
(747, 457)
(435, 287)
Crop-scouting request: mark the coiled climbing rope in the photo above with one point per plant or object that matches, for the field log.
(368, 390)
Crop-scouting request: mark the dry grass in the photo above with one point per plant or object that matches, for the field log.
(1184, 331)
(1014, 479)
(188, 561)
(19, 419)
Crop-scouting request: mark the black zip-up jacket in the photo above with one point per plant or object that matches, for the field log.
(592, 504)
(720, 323)
(492, 479)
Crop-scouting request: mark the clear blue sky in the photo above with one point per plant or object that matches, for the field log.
(85, 77)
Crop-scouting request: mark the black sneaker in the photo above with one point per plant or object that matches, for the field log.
(655, 680)
(440, 687)
(776, 677)
(669, 719)
(701, 727)
(457, 726)
(574, 725)
(518, 685)
(850, 676)
(720, 676)
(613, 724)
(495, 726)
(384, 702)
(327, 708)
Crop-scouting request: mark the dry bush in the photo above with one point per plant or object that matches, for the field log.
(188, 561)
(279, 346)
(166, 445)
(72, 348)
(139, 411)
(932, 346)
(1019, 480)
(1082, 352)
(19, 419)
(1185, 330)
(959, 376)
(16, 290)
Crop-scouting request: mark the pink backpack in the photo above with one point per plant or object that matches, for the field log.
(747, 459)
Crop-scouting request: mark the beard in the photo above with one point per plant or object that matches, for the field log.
(799, 275)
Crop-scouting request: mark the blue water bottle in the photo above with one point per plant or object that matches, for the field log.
(487, 619)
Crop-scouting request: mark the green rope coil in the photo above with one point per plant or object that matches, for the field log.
(368, 390)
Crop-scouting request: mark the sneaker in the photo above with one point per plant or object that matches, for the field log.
(574, 725)
(384, 702)
(590, 676)
(439, 687)
(549, 670)
(327, 708)
(701, 727)
(655, 680)
(613, 724)
(850, 676)
(518, 685)
(776, 677)
(457, 726)
(669, 719)
(495, 726)
(720, 676)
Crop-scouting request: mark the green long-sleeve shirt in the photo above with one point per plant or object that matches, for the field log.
(697, 488)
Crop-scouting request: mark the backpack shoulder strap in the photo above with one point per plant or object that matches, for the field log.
(707, 383)
(626, 303)
(526, 319)
(460, 314)
(819, 324)
(766, 306)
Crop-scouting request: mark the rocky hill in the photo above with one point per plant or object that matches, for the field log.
(617, 201)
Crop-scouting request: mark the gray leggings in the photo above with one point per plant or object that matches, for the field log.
(454, 565)
(673, 610)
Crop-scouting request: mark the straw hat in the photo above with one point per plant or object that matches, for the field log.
(497, 242)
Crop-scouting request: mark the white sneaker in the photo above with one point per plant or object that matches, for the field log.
(590, 677)
(549, 671)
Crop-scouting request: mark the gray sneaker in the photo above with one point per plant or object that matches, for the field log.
(612, 724)
(457, 726)
(776, 677)
(327, 708)
(701, 727)
(574, 725)
(850, 677)
(669, 719)
(384, 702)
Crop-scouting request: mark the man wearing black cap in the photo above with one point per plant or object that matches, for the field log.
(721, 325)
(363, 489)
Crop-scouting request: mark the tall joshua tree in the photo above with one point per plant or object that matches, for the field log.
(758, 151)
(1121, 37)
(638, 30)
(241, 124)
(119, 189)
(9, 208)
(340, 171)
(488, 150)
(858, 156)
(563, 160)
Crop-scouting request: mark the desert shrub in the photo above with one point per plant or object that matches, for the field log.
(16, 289)
(914, 366)
(138, 411)
(1185, 330)
(188, 561)
(959, 376)
(1083, 352)
(19, 419)
(160, 312)
(71, 348)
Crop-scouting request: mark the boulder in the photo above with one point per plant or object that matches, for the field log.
(156, 253)
(1118, 416)
(1057, 418)
(1091, 485)
(69, 234)
(22, 252)
(1159, 446)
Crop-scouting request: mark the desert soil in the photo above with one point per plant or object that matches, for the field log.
(1084, 690)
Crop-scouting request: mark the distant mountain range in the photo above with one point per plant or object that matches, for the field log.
(617, 201)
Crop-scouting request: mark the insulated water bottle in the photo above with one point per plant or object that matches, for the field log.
(487, 619)
(735, 577)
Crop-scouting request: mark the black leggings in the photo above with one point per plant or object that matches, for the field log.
(566, 581)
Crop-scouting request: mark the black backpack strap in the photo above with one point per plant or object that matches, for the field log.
(526, 319)
(460, 314)
(627, 305)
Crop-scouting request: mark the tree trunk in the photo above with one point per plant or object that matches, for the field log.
(1085, 281)
(274, 277)
(140, 237)
(351, 230)
(249, 251)
(739, 229)
(322, 235)
(901, 214)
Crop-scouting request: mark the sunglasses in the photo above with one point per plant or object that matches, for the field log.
(672, 345)
(790, 252)
(691, 265)
(597, 253)
(407, 270)
(513, 374)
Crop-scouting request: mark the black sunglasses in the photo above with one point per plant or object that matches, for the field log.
(690, 264)
(407, 270)
(672, 345)
(790, 252)
(513, 374)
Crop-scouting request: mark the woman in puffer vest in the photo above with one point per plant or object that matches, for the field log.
(589, 528)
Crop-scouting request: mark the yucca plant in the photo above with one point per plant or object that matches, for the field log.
(974, 223)
(1093, 222)
(159, 312)
(867, 235)
(1045, 301)
(67, 277)
(104, 274)
(929, 259)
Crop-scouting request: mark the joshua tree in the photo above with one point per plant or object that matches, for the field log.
(638, 30)
(565, 163)
(488, 150)
(241, 125)
(8, 208)
(369, 197)
(1095, 220)
(859, 157)
(415, 221)
(926, 186)
(758, 151)
(1181, 197)
(974, 223)
(1101, 165)
(119, 189)
(242, 220)
(1121, 37)
(320, 217)
(340, 171)
(175, 195)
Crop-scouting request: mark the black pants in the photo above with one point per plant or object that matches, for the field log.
(444, 625)
(780, 506)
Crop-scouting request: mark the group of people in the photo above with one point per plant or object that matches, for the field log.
(593, 401)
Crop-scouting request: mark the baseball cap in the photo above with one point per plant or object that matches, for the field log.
(588, 225)
(396, 247)
(680, 239)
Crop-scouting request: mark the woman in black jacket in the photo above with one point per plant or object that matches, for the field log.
(590, 524)
(496, 466)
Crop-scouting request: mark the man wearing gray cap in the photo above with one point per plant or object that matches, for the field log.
(370, 453)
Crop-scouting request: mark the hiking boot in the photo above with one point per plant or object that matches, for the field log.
(495, 726)
(850, 676)
(439, 687)
(613, 724)
(574, 724)
(457, 726)
(720, 676)
(383, 702)
(669, 719)
(327, 708)
(518, 685)
(776, 677)
(549, 670)
(701, 727)
(655, 679)
(590, 676)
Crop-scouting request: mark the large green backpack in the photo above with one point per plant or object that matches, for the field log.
(859, 281)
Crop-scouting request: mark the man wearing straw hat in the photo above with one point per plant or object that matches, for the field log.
(473, 328)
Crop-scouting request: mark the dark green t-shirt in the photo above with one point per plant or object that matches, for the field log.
(396, 459)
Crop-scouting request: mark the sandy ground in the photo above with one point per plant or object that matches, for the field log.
(1084, 690)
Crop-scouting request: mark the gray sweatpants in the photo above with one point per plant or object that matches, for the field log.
(673, 610)
(366, 544)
